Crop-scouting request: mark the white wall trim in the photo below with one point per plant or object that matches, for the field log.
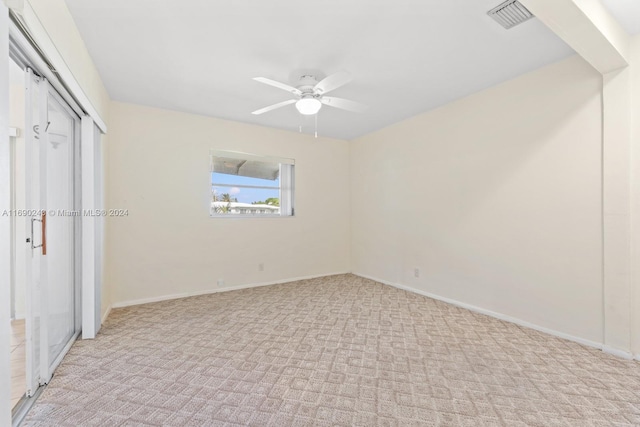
(490, 313)
(216, 290)
(616, 352)
(90, 290)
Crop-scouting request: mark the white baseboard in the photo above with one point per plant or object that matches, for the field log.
(213, 291)
(617, 352)
(106, 314)
(490, 313)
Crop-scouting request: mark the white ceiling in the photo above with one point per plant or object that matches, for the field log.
(627, 12)
(406, 56)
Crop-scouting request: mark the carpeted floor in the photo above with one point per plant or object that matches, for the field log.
(334, 351)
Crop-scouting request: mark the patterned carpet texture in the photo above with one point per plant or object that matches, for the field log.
(332, 351)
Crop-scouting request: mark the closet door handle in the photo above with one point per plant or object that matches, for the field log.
(43, 221)
(44, 232)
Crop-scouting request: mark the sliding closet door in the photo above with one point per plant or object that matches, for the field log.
(52, 141)
(59, 296)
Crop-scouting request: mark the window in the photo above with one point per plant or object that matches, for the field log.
(246, 185)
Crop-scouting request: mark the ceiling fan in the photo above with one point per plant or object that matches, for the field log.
(310, 94)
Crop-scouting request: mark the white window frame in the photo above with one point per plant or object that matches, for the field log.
(286, 190)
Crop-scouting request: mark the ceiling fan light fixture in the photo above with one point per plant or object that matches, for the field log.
(308, 106)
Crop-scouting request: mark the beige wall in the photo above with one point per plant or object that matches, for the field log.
(496, 198)
(168, 245)
(635, 192)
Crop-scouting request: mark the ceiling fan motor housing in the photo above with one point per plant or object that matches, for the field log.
(306, 83)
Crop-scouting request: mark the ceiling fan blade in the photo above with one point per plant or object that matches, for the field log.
(344, 104)
(279, 85)
(334, 81)
(274, 106)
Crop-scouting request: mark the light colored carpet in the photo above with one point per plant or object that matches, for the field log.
(334, 351)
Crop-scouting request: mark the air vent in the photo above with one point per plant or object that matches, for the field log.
(510, 13)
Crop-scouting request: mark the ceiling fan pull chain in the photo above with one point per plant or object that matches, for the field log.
(316, 116)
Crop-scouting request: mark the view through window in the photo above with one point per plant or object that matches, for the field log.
(249, 185)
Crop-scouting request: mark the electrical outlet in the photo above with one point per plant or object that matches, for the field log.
(220, 283)
(261, 267)
(416, 272)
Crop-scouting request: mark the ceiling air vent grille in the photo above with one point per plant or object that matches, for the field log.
(510, 13)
